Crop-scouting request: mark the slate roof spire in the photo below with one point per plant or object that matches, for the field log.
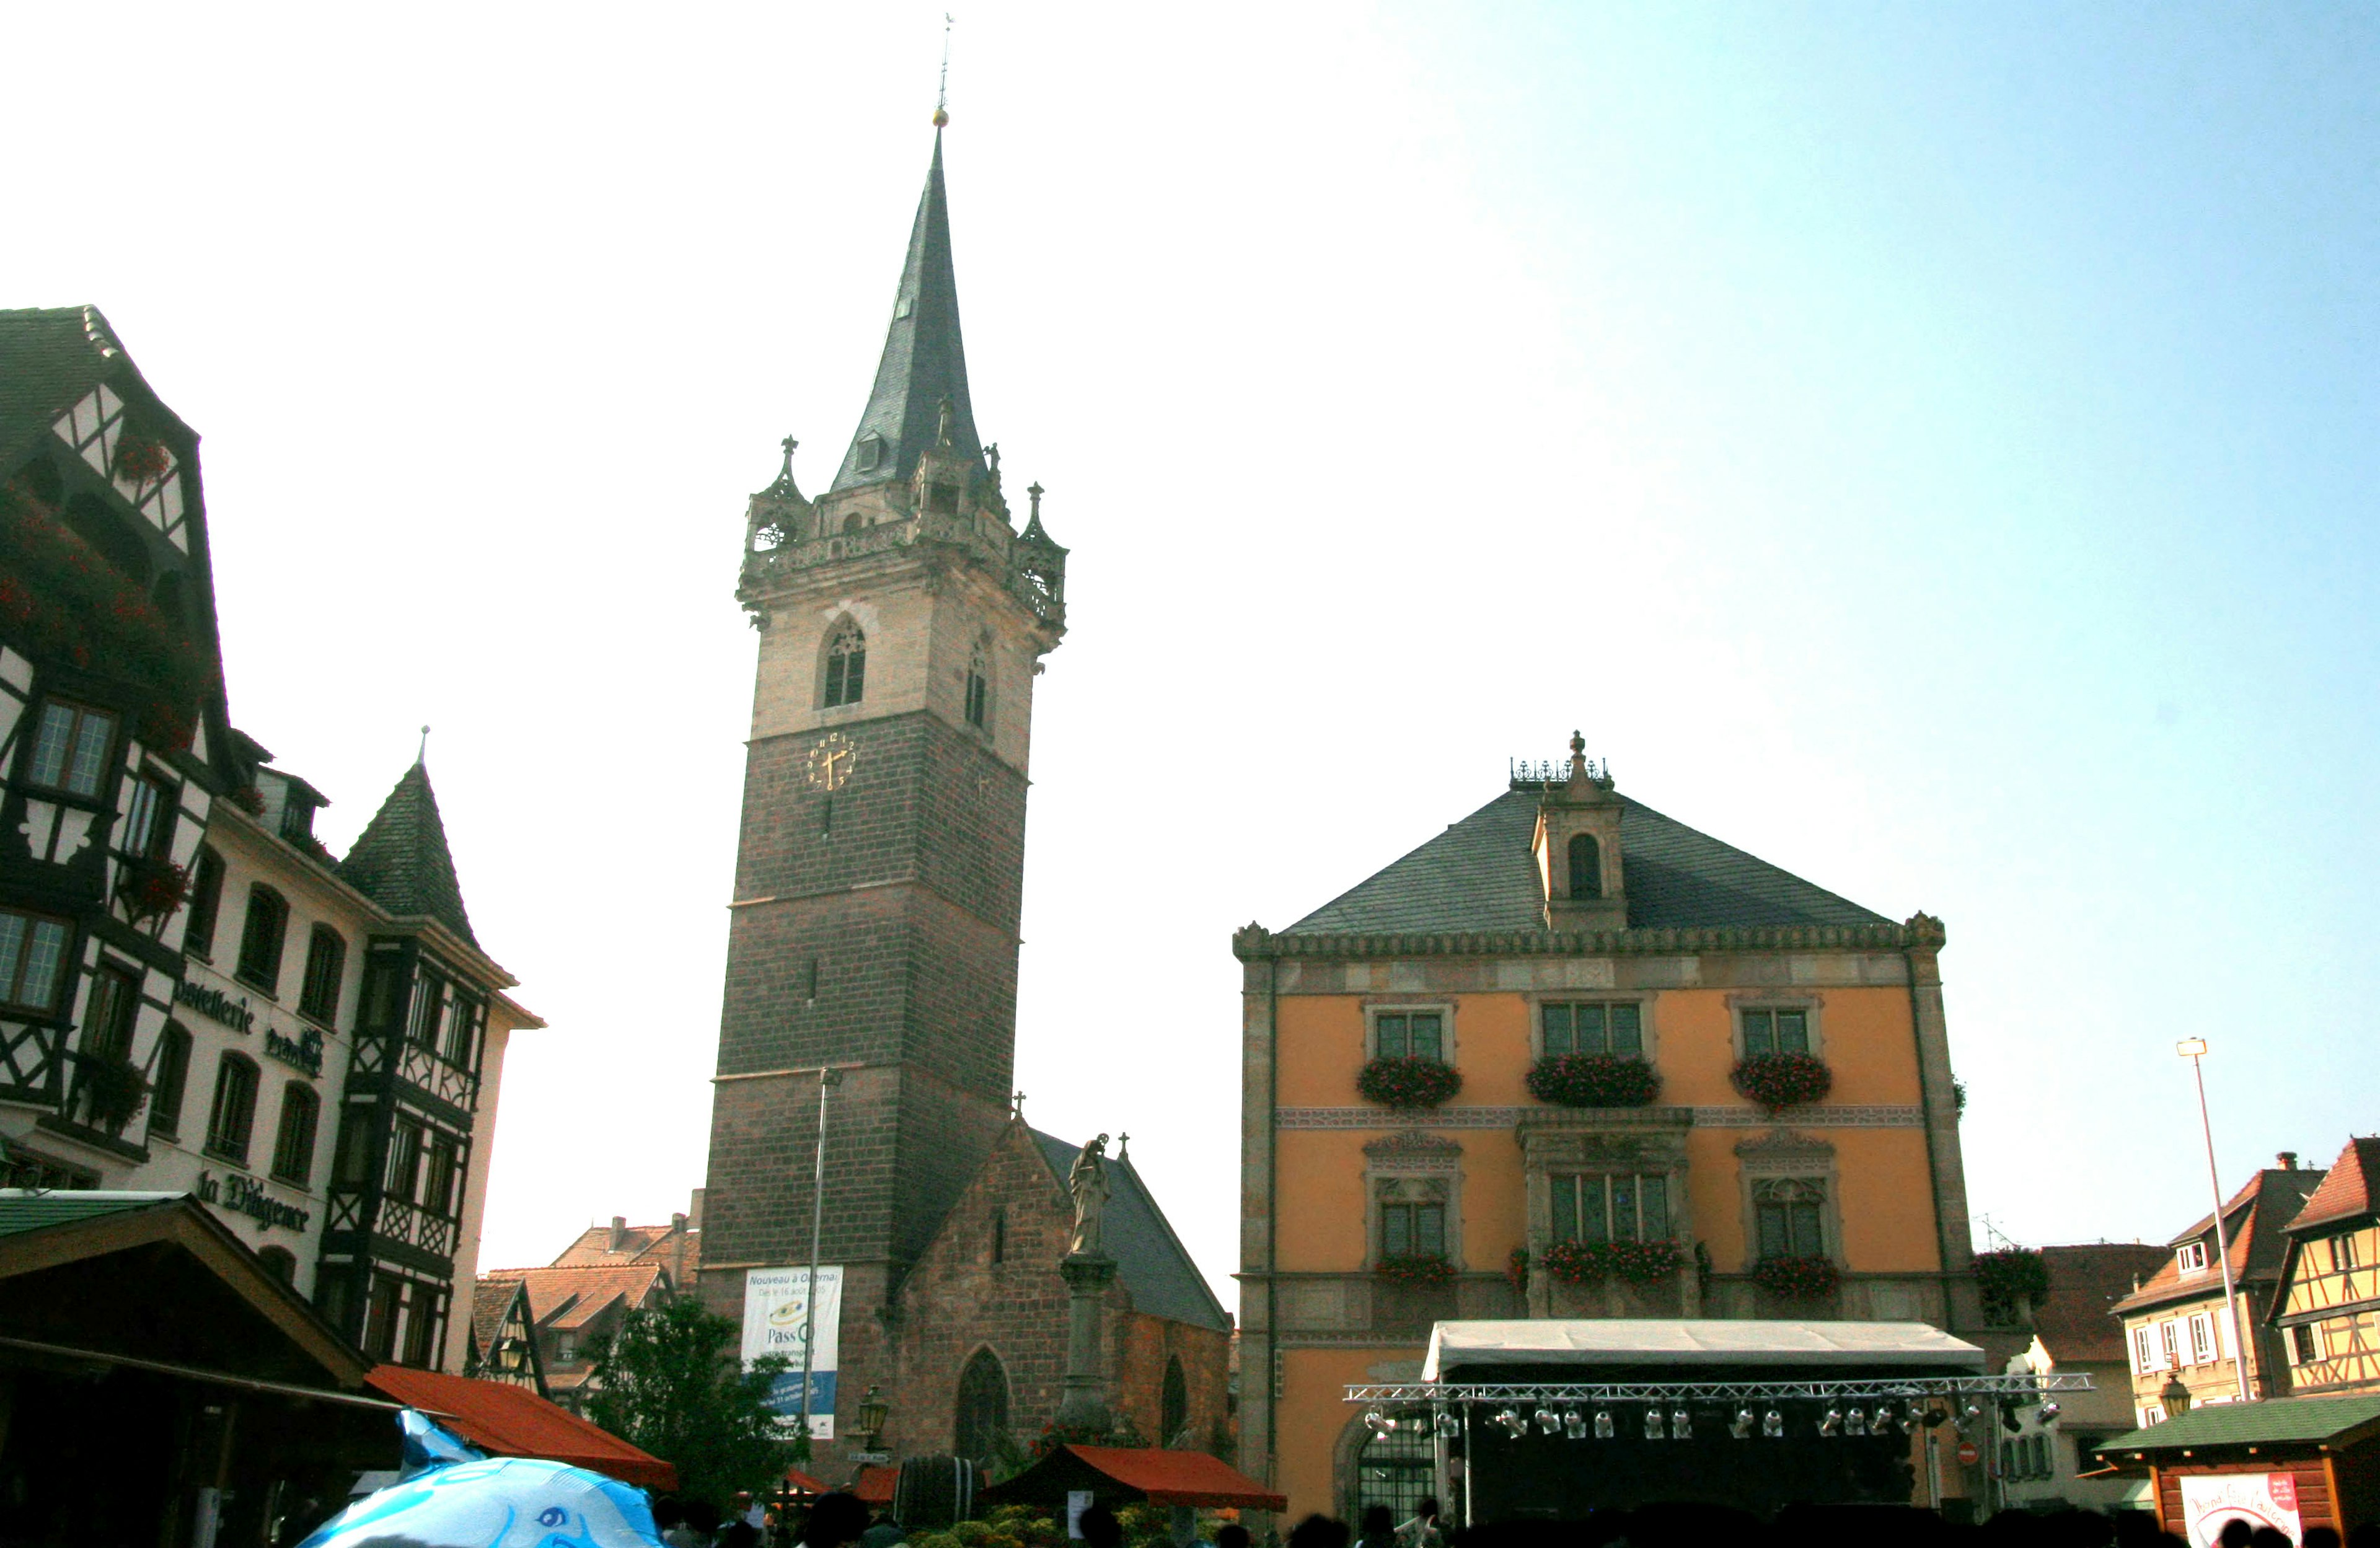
(924, 360)
(401, 861)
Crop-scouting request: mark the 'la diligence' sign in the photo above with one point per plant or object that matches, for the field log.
(242, 1194)
(2260, 1499)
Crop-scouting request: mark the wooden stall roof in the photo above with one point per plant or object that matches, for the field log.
(2330, 1422)
(1171, 1478)
(510, 1420)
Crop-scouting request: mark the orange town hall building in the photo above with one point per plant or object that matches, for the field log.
(1573, 1058)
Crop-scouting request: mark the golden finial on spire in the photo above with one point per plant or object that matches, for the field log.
(942, 96)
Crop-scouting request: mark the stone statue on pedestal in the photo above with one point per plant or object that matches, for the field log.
(1087, 1182)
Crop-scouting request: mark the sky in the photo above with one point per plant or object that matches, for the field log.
(1931, 448)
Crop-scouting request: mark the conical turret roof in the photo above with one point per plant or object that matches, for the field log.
(401, 861)
(924, 363)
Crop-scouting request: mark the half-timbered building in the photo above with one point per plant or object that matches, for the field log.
(195, 994)
(2327, 1311)
(2176, 1326)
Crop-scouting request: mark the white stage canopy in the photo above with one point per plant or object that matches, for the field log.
(1610, 1342)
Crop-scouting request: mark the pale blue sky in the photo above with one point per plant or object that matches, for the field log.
(1928, 447)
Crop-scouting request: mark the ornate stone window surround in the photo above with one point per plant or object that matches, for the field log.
(1812, 1005)
(1412, 1167)
(1647, 1141)
(861, 620)
(1374, 1005)
(1786, 1155)
(1643, 999)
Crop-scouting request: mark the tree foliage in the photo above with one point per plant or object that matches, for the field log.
(669, 1381)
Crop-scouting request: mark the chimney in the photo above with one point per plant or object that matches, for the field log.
(619, 1232)
(694, 1210)
(677, 1225)
(2289, 1160)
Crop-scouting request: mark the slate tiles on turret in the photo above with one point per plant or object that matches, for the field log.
(401, 861)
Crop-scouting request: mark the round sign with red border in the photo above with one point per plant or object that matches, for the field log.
(1969, 1453)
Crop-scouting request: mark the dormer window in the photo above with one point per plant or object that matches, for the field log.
(1585, 866)
(868, 456)
(2190, 1258)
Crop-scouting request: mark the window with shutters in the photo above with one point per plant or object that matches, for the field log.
(2342, 1252)
(1573, 1028)
(1607, 1206)
(2143, 1352)
(206, 901)
(293, 1144)
(2202, 1338)
(1409, 1034)
(149, 819)
(231, 1119)
(1790, 1217)
(261, 939)
(326, 965)
(2169, 1342)
(170, 1082)
(847, 664)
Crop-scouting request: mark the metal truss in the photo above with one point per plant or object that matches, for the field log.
(1860, 1389)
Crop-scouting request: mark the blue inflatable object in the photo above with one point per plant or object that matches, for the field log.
(454, 1497)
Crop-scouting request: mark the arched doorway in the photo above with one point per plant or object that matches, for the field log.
(982, 1406)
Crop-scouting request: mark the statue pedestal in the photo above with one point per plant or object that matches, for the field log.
(1082, 1395)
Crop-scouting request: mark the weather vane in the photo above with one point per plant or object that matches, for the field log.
(942, 93)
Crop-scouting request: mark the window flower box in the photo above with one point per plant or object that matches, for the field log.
(108, 1090)
(1777, 1081)
(1408, 1082)
(152, 889)
(1797, 1277)
(1415, 1268)
(1594, 1080)
(139, 460)
(1591, 1263)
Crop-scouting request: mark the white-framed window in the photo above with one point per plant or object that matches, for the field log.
(2152, 1413)
(2169, 1342)
(2144, 1351)
(2342, 1252)
(2190, 1258)
(2202, 1338)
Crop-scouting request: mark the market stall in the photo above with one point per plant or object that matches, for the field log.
(2286, 1462)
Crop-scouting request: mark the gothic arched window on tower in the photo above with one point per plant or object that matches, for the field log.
(847, 664)
(978, 688)
(1173, 1403)
(1585, 866)
(982, 1406)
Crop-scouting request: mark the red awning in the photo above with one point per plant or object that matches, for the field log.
(508, 1420)
(801, 1482)
(875, 1486)
(1188, 1477)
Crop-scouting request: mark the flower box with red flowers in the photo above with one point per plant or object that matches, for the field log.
(1408, 1082)
(152, 889)
(1797, 1277)
(1415, 1268)
(1777, 1081)
(1634, 1262)
(138, 459)
(1594, 1080)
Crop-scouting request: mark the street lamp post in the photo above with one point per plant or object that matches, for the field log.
(2195, 1049)
(827, 1076)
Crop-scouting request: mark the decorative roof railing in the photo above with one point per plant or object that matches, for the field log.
(1033, 570)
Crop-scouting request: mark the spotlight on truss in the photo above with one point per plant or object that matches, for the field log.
(1652, 1424)
(1381, 1423)
(1575, 1423)
(1548, 1422)
(1603, 1430)
(1741, 1425)
(1772, 1425)
(1681, 1425)
(1449, 1424)
(1832, 1424)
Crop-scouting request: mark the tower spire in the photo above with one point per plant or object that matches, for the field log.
(923, 361)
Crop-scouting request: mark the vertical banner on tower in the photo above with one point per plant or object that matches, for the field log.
(776, 1314)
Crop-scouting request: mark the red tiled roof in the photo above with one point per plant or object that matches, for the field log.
(647, 1244)
(2252, 1217)
(2346, 1193)
(513, 1421)
(2085, 1282)
(570, 1298)
(1185, 1478)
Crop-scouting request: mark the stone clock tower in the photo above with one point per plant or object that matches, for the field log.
(903, 620)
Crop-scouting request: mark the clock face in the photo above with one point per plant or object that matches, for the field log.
(830, 762)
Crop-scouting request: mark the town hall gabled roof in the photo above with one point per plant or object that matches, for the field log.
(401, 861)
(924, 360)
(1151, 1260)
(1481, 875)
